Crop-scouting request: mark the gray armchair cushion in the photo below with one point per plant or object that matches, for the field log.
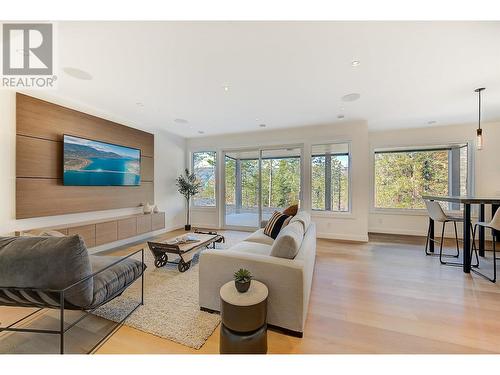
(111, 282)
(47, 263)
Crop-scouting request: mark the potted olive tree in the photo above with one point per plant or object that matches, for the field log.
(188, 185)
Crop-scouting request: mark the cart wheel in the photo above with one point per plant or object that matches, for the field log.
(161, 260)
(183, 266)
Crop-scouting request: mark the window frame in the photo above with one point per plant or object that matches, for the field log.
(318, 212)
(216, 189)
(409, 148)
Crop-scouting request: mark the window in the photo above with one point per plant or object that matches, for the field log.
(204, 169)
(330, 177)
(403, 176)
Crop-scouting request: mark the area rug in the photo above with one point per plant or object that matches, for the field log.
(170, 310)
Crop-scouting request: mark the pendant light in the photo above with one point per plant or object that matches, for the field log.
(479, 131)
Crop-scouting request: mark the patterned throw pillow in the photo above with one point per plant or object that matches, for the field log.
(277, 222)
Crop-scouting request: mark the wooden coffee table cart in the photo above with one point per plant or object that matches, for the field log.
(185, 251)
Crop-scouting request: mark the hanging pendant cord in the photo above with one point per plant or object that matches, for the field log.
(479, 120)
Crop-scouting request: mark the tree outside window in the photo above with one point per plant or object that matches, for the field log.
(330, 177)
(403, 176)
(204, 163)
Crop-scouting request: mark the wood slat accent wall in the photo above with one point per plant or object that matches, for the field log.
(39, 158)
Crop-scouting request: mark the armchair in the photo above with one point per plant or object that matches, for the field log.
(58, 273)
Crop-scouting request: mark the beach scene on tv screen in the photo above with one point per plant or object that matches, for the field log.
(93, 163)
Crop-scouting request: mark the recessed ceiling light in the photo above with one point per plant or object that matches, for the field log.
(77, 73)
(340, 117)
(180, 121)
(201, 132)
(431, 122)
(351, 97)
(262, 125)
(355, 63)
(226, 88)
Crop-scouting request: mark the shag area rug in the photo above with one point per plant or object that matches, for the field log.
(170, 310)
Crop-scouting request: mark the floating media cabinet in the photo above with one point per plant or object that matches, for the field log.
(101, 232)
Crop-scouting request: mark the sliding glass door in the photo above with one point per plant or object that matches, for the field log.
(280, 179)
(241, 172)
(259, 182)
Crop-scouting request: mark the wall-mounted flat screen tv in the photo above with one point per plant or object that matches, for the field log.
(94, 163)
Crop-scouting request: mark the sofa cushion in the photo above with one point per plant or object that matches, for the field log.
(252, 247)
(302, 217)
(47, 263)
(276, 223)
(260, 237)
(288, 242)
(292, 210)
(111, 282)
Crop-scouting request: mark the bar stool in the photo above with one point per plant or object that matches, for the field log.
(437, 214)
(494, 225)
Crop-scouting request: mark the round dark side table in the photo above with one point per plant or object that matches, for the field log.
(243, 329)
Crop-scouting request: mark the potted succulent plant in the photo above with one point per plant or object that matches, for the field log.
(242, 280)
(188, 185)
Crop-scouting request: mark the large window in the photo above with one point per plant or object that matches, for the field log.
(330, 177)
(403, 176)
(204, 169)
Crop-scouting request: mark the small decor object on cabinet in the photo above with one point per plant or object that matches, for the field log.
(156, 210)
(148, 208)
(242, 280)
(188, 185)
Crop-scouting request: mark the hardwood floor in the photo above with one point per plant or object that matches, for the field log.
(384, 296)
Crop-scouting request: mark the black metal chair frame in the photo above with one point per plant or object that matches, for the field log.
(494, 279)
(60, 292)
(441, 255)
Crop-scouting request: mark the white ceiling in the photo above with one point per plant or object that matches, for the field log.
(283, 74)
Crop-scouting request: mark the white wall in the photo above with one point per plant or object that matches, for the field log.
(171, 158)
(486, 170)
(169, 162)
(348, 226)
(364, 217)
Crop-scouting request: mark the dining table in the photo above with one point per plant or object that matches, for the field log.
(467, 202)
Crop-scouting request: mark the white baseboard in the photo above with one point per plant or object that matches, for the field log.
(343, 237)
(411, 232)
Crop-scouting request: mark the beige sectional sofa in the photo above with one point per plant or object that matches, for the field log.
(285, 265)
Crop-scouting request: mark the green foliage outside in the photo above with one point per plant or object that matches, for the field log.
(401, 178)
(204, 169)
(280, 182)
(339, 183)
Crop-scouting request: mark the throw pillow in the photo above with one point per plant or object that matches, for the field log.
(275, 224)
(292, 210)
(304, 218)
(288, 243)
